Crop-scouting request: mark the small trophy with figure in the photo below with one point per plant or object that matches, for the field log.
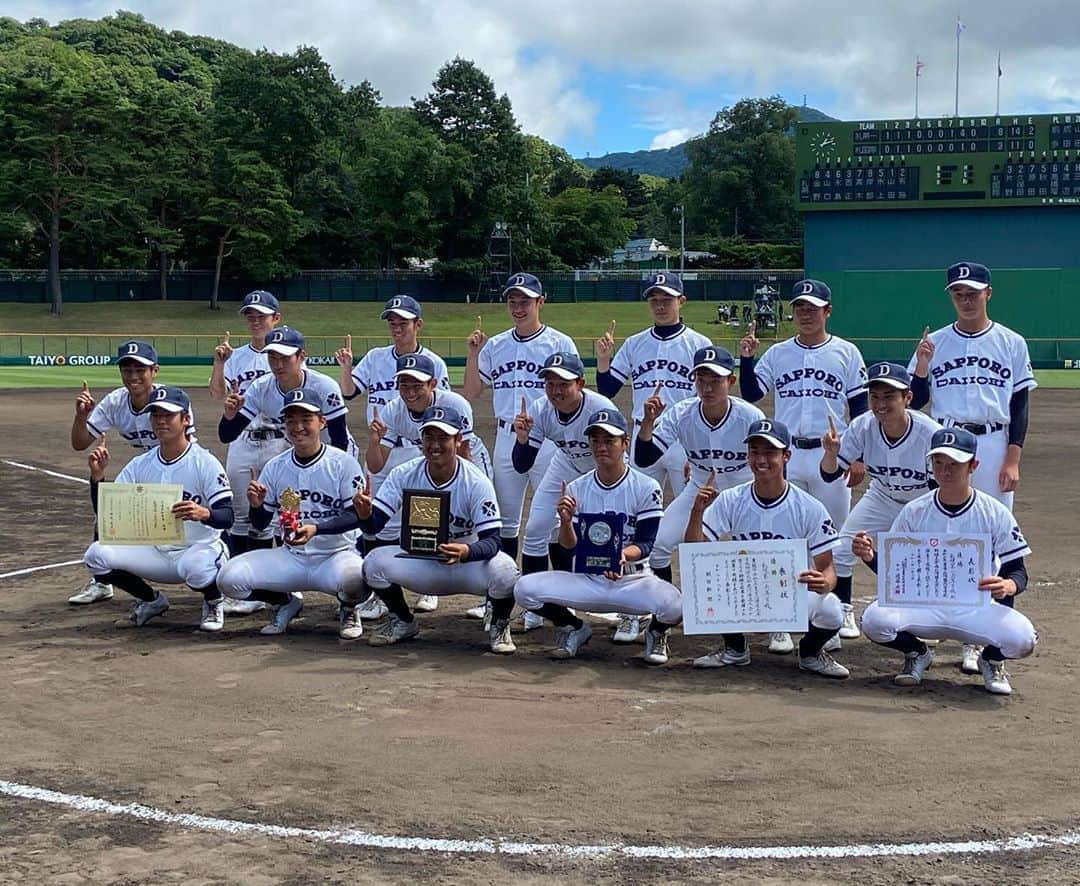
(289, 513)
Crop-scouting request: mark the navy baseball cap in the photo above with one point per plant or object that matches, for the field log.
(563, 364)
(775, 432)
(169, 399)
(955, 443)
(967, 273)
(892, 374)
(526, 283)
(401, 306)
(302, 399)
(262, 301)
(717, 360)
(667, 283)
(139, 351)
(813, 291)
(418, 366)
(608, 420)
(445, 418)
(285, 341)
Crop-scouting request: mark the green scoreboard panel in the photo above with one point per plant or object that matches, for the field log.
(939, 163)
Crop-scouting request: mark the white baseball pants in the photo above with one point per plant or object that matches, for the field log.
(510, 485)
(280, 569)
(542, 525)
(643, 594)
(196, 565)
(669, 467)
(874, 512)
(993, 625)
(804, 470)
(991, 456)
(493, 578)
(245, 454)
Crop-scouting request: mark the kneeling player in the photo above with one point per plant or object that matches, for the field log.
(955, 506)
(320, 554)
(471, 561)
(614, 490)
(206, 510)
(771, 507)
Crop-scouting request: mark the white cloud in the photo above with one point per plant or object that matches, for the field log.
(670, 138)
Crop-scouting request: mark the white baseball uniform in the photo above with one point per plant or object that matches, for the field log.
(403, 428)
(972, 378)
(265, 400)
(327, 563)
(708, 447)
(375, 373)
(473, 509)
(646, 360)
(196, 562)
(740, 515)
(115, 412)
(258, 442)
(572, 458)
(509, 364)
(638, 497)
(994, 624)
(810, 383)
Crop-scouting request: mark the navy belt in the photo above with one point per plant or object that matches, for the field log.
(979, 428)
(806, 442)
(266, 434)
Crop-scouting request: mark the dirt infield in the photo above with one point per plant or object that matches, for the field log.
(439, 738)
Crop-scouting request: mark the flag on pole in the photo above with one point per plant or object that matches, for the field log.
(960, 28)
(999, 65)
(919, 65)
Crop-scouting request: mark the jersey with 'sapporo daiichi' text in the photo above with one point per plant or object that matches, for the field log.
(375, 374)
(115, 412)
(510, 364)
(717, 447)
(568, 435)
(741, 515)
(898, 468)
(646, 360)
(635, 495)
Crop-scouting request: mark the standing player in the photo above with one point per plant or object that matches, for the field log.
(321, 554)
(614, 489)
(710, 429)
(510, 363)
(892, 441)
(236, 369)
(976, 375)
(771, 507)
(472, 564)
(206, 509)
(957, 507)
(123, 410)
(813, 376)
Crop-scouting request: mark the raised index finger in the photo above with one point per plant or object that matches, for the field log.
(235, 386)
(85, 387)
(348, 342)
(832, 426)
(752, 328)
(479, 321)
(926, 333)
(611, 328)
(524, 409)
(226, 341)
(564, 489)
(656, 393)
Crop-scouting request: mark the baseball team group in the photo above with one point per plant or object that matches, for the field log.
(302, 506)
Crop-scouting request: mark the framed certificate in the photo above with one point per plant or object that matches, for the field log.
(139, 514)
(743, 586)
(924, 569)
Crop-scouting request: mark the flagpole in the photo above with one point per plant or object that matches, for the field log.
(956, 106)
(917, 87)
(997, 106)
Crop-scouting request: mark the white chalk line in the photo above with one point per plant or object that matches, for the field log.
(496, 846)
(39, 568)
(26, 467)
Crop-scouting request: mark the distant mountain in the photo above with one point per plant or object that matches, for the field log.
(670, 162)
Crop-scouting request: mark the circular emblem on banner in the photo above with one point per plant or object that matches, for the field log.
(599, 533)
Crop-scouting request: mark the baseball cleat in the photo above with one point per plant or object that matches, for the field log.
(849, 630)
(94, 592)
(392, 631)
(570, 639)
(213, 615)
(915, 664)
(531, 621)
(833, 644)
(372, 609)
(351, 626)
(780, 643)
(501, 641)
(656, 647)
(478, 612)
(724, 658)
(824, 665)
(426, 603)
(630, 628)
(280, 616)
(970, 662)
(144, 610)
(243, 607)
(995, 677)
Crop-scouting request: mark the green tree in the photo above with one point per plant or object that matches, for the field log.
(629, 184)
(586, 224)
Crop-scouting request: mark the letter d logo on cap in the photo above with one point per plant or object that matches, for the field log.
(556, 360)
(296, 395)
(132, 348)
(410, 362)
(160, 394)
(519, 280)
(963, 272)
(254, 298)
(807, 287)
(710, 355)
(660, 280)
(948, 439)
(277, 336)
(395, 302)
(766, 427)
(438, 415)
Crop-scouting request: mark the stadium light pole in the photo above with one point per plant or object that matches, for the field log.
(682, 238)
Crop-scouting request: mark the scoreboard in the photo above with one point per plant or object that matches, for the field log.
(938, 163)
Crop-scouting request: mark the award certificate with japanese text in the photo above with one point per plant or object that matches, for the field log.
(927, 569)
(139, 514)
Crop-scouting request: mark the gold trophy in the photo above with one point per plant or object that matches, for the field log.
(425, 522)
(289, 512)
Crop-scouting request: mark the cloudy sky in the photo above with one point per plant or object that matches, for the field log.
(612, 75)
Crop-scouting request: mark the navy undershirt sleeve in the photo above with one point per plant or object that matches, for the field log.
(339, 433)
(748, 382)
(221, 514)
(346, 521)
(523, 456)
(645, 536)
(374, 524)
(920, 391)
(1018, 417)
(260, 517)
(858, 404)
(1017, 571)
(646, 453)
(231, 428)
(607, 384)
(485, 547)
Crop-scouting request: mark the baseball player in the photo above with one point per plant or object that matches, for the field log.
(123, 410)
(812, 375)
(510, 363)
(616, 490)
(205, 508)
(891, 440)
(659, 357)
(320, 554)
(710, 429)
(957, 507)
(238, 368)
(771, 507)
(471, 561)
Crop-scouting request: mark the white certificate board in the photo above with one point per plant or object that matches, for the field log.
(139, 514)
(927, 569)
(743, 586)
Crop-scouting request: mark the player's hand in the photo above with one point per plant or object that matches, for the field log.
(615, 576)
(652, 407)
(84, 401)
(224, 350)
(256, 492)
(234, 401)
(1009, 477)
(300, 536)
(748, 345)
(376, 429)
(687, 472)
(454, 552)
(924, 352)
(815, 581)
(997, 587)
(476, 339)
(361, 500)
(523, 424)
(605, 345)
(856, 474)
(344, 356)
(98, 459)
(862, 546)
(565, 507)
(706, 494)
(189, 510)
(831, 441)
(464, 448)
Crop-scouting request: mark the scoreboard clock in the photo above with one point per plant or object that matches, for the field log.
(938, 163)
